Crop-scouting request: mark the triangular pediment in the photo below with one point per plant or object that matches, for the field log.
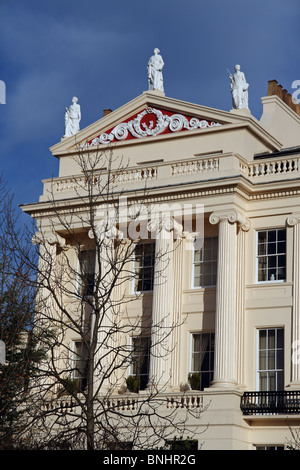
(148, 116)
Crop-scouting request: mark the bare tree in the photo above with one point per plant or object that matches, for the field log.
(96, 388)
(17, 299)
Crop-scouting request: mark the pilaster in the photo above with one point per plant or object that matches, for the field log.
(293, 221)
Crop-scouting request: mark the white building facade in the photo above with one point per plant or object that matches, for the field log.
(237, 295)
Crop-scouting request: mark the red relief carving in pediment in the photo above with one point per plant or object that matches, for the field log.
(150, 122)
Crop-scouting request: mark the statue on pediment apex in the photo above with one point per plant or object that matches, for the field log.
(239, 89)
(72, 118)
(154, 68)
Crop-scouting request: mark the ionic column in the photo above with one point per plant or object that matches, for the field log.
(48, 280)
(225, 369)
(102, 319)
(293, 221)
(177, 306)
(240, 301)
(162, 308)
(48, 276)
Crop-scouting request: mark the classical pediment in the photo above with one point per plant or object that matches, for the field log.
(148, 116)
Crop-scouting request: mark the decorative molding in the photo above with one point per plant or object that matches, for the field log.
(150, 122)
(49, 237)
(293, 219)
(232, 216)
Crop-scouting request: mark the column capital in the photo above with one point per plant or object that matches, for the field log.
(49, 237)
(167, 224)
(293, 219)
(232, 217)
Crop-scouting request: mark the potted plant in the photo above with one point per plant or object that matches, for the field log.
(194, 380)
(69, 387)
(133, 384)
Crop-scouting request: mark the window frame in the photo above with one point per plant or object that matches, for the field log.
(194, 264)
(135, 280)
(78, 360)
(148, 354)
(79, 286)
(211, 352)
(270, 281)
(276, 370)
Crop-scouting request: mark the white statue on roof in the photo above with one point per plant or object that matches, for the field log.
(154, 67)
(239, 89)
(72, 118)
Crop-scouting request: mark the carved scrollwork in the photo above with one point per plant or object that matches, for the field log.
(293, 219)
(232, 217)
(161, 122)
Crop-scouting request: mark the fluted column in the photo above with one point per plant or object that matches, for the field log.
(48, 275)
(102, 318)
(162, 308)
(48, 280)
(240, 301)
(225, 369)
(293, 221)
(177, 306)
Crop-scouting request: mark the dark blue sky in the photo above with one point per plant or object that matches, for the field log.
(51, 50)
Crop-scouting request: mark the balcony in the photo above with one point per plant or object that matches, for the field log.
(270, 403)
(220, 165)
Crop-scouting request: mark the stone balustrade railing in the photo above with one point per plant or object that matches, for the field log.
(129, 402)
(274, 167)
(194, 166)
(202, 168)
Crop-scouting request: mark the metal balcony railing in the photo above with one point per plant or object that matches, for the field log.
(279, 402)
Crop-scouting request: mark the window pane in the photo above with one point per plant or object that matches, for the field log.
(271, 236)
(280, 338)
(271, 255)
(205, 263)
(271, 382)
(262, 275)
(202, 360)
(262, 249)
(263, 339)
(271, 250)
(271, 359)
(262, 237)
(262, 360)
(263, 381)
(280, 380)
(281, 235)
(281, 247)
(144, 266)
(140, 359)
(87, 259)
(196, 343)
(271, 339)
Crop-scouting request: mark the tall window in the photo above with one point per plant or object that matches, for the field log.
(270, 359)
(202, 360)
(140, 359)
(271, 255)
(205, 263)
(79, 364)
(86, 272)
(144, 259)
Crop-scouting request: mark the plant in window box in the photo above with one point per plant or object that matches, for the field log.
(194, 380)
(69, 387)
(133, 384)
